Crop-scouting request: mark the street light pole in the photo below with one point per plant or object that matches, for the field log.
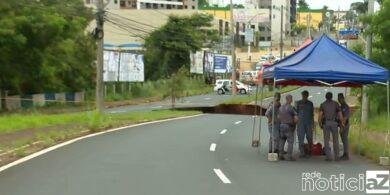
(99, 60)
(233, 50)
(281, 33)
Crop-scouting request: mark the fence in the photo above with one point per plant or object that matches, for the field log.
(15, 102)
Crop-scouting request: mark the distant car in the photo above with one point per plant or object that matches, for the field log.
(249, 75)
(242, 88)
(267, 57)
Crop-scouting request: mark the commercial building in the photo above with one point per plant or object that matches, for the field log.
(312, 18)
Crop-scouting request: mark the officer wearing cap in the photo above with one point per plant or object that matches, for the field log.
(305, 110)
(288, 118)
(344, 131)
(273, 128)
(329, 113)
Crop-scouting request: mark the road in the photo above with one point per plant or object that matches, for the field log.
(206, 154)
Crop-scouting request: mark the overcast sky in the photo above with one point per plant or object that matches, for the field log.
(332, 4)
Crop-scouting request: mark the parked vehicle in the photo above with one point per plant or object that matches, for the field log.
(249, 75)
(223, 86)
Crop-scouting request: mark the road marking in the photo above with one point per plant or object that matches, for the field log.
(212, 147)
(238, 122)
(207, 98)
(221, 176)
(310, 96)
(325, 89)
(223, 131)
(44, 151)
(319, 93)
(156, 107)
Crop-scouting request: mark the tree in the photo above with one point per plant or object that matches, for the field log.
(302, 4)
(379, 26)
(360, 7)
(168, 48)
(44, 46)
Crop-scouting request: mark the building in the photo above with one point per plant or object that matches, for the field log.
(148, 4)
(312, 18)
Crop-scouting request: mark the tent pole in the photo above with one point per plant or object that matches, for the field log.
(261, 108)
(255, 115)
(360, 129)
(387, 121)
(273, 119)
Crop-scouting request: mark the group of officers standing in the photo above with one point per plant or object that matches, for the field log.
(333, 118)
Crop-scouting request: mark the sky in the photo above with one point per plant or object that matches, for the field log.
(332, 4)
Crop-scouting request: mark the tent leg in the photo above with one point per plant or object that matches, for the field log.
(254, 142)
(384, 160)
(273, 156)
(261, 109)
(360, 129)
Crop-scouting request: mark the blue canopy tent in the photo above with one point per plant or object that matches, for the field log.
(326, 63)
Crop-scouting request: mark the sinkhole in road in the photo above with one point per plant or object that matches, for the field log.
(241, 109)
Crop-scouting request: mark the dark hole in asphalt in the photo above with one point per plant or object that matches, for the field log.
(229, 109)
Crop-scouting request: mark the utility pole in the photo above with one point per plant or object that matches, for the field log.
(99, 34)
(281, 32)
(365, 100)
(233, 50)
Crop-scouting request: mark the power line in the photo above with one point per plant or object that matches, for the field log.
(126, 29)
(127, 26)
(131, 20)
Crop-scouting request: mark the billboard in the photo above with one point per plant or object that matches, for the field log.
(110, 65)
(131, 68)
(253, 16)
(209, 62)
(196, 62)
(123, 67)
(222, 63)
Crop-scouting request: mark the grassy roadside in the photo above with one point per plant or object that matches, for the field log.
(250, 98)
(31, 133)
(371, 142)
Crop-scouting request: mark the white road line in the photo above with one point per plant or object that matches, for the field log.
(221, 176)
(207, 98)
(156, 107)
(238, 122)
(325, 89)
(223, 131)
(310, 96)
(319, 93)
(212, 147)
(117, 111)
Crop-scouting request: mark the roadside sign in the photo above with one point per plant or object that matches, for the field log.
(249, 35)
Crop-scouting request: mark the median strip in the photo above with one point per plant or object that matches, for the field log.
(223, 131)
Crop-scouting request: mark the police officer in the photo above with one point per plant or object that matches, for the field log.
(288, 118)
(344, 131)
(273, 129)
(305, 110)
(329, 113)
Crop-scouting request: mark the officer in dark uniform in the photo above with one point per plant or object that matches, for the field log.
(273, 129)
(329, 113)
(305, 110)
(288, 118)
(344, 131)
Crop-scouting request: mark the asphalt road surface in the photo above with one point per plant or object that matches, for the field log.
(206, 154)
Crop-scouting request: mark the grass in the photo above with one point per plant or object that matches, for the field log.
(371, 142)
(250, 98)
(91, 120)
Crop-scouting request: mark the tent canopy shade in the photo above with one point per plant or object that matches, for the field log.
(325, 63)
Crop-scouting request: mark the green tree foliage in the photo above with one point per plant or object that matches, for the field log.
(168, 48)
(302, 5)
(360, 7)
(44, 46)
(380, 26)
